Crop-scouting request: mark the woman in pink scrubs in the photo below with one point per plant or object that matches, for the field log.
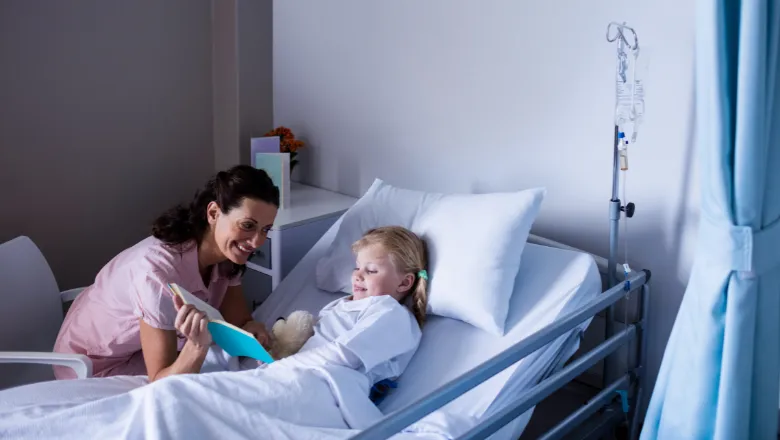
(127, 321)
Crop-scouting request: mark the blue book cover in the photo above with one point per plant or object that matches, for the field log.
(235, 341)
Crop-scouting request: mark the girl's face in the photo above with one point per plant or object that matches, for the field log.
(375, 275)
(242, 230)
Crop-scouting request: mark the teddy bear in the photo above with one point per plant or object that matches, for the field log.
(290, 334)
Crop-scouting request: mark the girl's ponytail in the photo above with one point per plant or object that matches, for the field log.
(420, 298)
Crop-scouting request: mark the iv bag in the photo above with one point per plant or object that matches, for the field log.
(629, 92)
(640, 69)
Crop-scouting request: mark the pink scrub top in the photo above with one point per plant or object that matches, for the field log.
(103, 321)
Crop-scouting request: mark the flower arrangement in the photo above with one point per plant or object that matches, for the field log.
(287, 143)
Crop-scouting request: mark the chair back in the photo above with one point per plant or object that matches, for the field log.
(31, 309)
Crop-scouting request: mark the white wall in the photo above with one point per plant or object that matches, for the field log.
(458, 95)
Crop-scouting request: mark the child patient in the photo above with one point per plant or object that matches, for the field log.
(373, 330)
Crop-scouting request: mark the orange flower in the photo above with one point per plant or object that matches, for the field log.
(287, 141)
(294, 145)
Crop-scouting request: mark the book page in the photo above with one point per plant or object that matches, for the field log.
(188, 298)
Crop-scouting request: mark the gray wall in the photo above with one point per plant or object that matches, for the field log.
(255, 55)
(243, 93)
(105, 120)
(458, 95)
(225, 82)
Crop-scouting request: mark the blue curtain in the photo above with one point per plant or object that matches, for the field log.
(720, 372)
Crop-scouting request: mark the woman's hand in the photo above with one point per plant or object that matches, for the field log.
(260, 333)
(192, 323)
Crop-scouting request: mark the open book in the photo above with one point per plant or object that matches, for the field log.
(235, 341)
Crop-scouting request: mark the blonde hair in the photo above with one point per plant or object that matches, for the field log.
(408, 254)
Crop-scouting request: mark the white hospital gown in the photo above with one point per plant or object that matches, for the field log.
(375, 336)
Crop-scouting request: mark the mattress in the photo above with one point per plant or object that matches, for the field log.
(550, 283)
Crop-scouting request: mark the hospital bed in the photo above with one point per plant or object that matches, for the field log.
(481, 385)
(491, 384)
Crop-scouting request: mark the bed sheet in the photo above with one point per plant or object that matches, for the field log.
(550, 283)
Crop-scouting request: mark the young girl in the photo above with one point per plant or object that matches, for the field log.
(372, 331)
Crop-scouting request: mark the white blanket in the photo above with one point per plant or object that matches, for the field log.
(306, 396)
(321, 392)
(282, 401)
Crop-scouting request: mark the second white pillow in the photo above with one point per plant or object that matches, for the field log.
(475, 243)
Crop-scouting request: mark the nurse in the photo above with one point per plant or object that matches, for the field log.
(127, 321)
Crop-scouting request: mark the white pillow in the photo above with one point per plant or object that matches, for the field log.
(381, 205)
(475, 244)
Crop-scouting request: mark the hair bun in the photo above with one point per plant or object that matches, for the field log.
(222, 177)
(221, 186)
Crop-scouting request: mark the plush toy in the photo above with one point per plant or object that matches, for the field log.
(290, 334)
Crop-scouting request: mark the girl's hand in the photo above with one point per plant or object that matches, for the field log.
(260, 333)
(192, 323)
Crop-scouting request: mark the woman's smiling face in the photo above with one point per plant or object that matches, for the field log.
(242, 230)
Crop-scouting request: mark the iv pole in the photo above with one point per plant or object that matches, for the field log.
(615, 208)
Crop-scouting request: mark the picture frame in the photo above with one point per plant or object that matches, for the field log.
(277, 165)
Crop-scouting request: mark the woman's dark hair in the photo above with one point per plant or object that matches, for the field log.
(228, 189)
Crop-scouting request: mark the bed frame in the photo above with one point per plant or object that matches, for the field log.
(616, 401)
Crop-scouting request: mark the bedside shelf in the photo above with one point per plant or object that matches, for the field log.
(309, 203)
(258, 268)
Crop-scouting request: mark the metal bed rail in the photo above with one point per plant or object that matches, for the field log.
(606, 396)
(546, 387)
(400, 419)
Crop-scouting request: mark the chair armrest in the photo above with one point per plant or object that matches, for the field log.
(70, 294)
(80, 363)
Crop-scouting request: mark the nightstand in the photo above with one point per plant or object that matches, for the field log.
(311, 213)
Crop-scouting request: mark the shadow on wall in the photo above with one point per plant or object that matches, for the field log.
(675, 270)
(305, 172)
(348, 174)
(664, 246)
